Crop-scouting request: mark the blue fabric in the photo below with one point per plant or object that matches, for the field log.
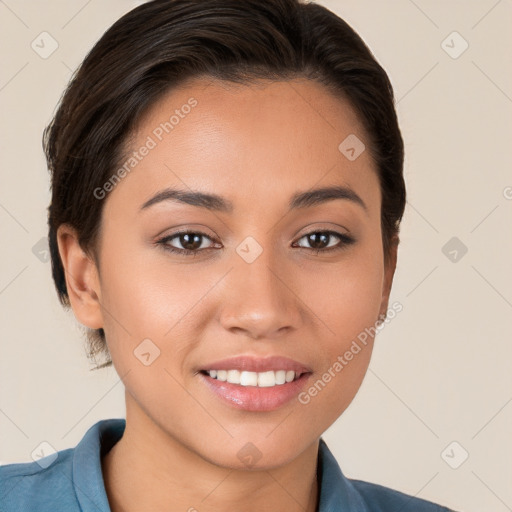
(73, 482)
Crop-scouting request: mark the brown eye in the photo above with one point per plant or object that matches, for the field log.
(321, 241)
(189, 242)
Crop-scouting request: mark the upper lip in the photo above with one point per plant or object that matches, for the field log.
(258, 364)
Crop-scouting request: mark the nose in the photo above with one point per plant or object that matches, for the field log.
(259, 300)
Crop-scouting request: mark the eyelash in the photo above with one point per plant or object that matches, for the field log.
(345, 241)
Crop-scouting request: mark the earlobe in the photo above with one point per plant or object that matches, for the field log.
(389, 272)
(82, 280)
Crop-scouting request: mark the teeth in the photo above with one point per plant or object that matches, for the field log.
(247, 378)
(233, 376)
(260, 379)
(281, 377)
(266, 379)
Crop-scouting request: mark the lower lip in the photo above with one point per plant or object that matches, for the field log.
(253, 398)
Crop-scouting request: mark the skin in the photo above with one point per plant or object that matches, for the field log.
(255, 145)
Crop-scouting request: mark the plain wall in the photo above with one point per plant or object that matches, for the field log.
(440, 371)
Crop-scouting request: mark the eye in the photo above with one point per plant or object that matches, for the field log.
(191, 242)
(320, 241)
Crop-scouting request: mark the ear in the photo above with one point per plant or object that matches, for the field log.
(82, 280)
(389, 272)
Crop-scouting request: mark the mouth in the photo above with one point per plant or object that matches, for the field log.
(255, 384)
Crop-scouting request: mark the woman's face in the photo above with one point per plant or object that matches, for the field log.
(257, 295)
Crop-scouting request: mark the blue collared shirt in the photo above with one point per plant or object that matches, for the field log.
(71, 481)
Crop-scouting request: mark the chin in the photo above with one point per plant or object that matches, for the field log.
(255, 453)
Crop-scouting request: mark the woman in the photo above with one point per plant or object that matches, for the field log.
(227, 191)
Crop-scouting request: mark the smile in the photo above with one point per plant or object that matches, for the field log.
(256, 384)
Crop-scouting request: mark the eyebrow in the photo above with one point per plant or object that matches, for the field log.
(218, 203)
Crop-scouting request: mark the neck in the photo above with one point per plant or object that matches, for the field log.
(148, 469)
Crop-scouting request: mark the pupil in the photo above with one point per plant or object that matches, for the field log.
(317, 240)
(191, 245)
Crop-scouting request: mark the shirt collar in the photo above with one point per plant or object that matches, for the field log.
(336, 491)
(87, 474)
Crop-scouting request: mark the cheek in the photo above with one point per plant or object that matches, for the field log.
(347, 299)
(147, 295)
(347, 303)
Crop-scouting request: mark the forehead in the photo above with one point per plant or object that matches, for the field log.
(261, 109)
(241, 140)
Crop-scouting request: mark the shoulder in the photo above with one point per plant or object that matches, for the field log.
(45, 485)
(69, 480)
(384, 499)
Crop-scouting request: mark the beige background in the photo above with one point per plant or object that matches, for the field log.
(441, 370)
